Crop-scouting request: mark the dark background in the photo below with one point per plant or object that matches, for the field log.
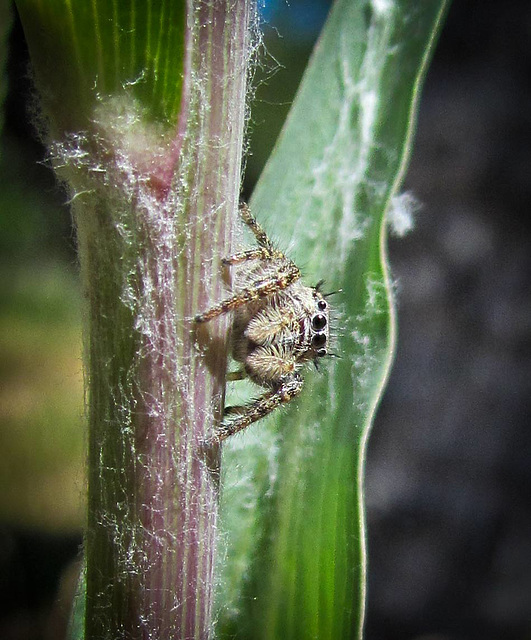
(449, 466)
(449, 469)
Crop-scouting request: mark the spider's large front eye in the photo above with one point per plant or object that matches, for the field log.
(319, 340)
(318, 322)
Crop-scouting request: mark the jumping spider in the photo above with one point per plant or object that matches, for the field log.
(278, 325)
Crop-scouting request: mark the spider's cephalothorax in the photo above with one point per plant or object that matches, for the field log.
(278, 325)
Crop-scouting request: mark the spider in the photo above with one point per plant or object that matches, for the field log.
(278, 325)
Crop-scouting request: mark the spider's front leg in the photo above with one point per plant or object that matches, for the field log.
(266, 249)
(254, 226)
(287, 273)
(262, 406)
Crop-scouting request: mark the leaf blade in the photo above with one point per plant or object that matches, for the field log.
(93, 48)
(325, 190)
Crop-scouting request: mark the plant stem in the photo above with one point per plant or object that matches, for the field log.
(152, 227)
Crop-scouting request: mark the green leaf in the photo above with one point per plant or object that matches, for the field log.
(82, 50)
(293, 498)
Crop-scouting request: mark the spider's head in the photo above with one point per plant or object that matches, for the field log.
(319, 326)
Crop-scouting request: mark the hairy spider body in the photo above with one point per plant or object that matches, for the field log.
(279, 324)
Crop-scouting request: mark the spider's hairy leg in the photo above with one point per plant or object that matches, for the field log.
(286, 275)
(253, 254)
(260, 234)
(265, 404)
(244, 256)
(236, 375)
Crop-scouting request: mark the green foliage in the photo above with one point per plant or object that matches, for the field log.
(82, 50)
(295, 525)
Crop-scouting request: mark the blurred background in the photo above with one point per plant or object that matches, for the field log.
(449, 468)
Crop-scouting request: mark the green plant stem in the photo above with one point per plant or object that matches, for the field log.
(154, 202)
(152, 498)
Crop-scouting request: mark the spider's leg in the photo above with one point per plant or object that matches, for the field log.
(236, 375)
(244, 256)
(253, 254)
(285, 276)
(232, 410)
(265, 404)
(266, 251)
(260, 234)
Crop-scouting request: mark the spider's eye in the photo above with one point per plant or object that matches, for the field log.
(318, 321)
(322, 305)
(321, 353)
(319, 340)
